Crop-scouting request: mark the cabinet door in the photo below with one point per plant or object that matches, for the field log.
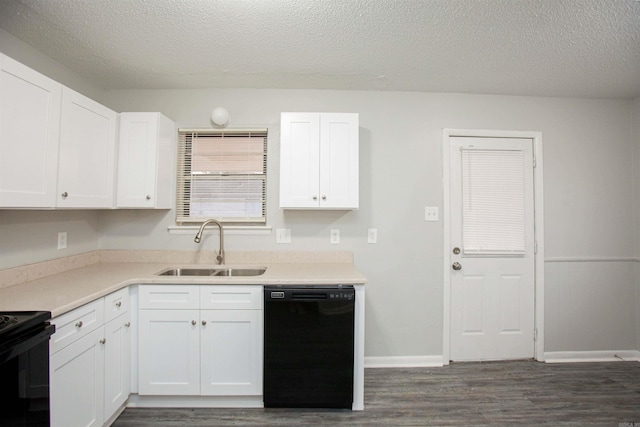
(29, 134)
(87, 153)
(299, 160)
(146, 161)
(231, 344)
(117, 364)
(77, 383)
(169, 352)
(339, 161)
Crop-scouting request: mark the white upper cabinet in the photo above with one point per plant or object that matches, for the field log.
(86, 166)
(319, 165)
(146, 161)
(29, 131)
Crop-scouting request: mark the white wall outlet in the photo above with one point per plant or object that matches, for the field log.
(372, 235)
(431, 213)
(62, 240)
(283, 235)
(335, 236)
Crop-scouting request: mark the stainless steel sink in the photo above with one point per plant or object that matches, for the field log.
(241, 272)
(216, 272)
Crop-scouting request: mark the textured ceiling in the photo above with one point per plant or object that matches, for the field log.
(574, 48)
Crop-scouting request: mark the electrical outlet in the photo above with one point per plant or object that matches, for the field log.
(283, 235)
(372, 235)
(62, 240)
(335, 236)
(431, 213)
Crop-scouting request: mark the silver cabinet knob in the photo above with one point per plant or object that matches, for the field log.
(456, 266)
(103, 340)
(118, 304)
(79, 324)
(324, 197)
(65, 195)
(315, 197)
(193, 322)
(204, 322)
(126, 325)
(148, 197)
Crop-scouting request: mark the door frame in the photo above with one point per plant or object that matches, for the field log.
(538, 203)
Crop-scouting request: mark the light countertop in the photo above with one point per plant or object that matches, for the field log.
(62, 292)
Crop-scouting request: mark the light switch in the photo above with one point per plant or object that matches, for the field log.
(431, 213)
(335, 236)
(283, 235)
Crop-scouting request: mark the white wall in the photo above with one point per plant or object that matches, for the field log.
(592, 296)
(588, 172)
(32, 236)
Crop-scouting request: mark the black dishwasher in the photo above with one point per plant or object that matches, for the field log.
(308, 346)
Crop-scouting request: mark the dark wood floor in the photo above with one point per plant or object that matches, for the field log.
(461, 394)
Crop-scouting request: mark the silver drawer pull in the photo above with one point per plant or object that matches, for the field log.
(126, 325)
(79, 324)
(193, 322)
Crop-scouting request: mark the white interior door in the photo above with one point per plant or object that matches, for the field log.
(492, 248)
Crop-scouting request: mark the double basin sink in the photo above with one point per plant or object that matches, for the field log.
(213, 271)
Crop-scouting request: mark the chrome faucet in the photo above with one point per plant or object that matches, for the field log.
(220, 255)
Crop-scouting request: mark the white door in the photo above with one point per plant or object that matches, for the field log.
(492, 248)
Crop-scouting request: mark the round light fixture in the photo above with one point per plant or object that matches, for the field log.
(220, 116)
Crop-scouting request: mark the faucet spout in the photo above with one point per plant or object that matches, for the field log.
(198, 238)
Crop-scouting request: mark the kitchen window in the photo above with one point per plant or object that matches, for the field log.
(222, 174)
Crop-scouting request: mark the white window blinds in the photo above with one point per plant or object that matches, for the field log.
(493, 202)
(222, 174)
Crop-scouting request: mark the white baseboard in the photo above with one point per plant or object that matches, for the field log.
(403, 362)
(592, 356)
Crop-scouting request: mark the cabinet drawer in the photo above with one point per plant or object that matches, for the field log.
(169, 297)
(237, 297)
(116, 304)
(76, 324)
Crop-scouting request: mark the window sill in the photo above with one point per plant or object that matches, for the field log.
(254, 230)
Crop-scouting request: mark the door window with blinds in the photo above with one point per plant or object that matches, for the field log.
(222, 174)
(493, 202)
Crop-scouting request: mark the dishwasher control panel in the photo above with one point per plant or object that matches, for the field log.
(310, 293)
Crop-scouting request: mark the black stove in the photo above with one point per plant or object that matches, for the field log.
(18, 327)
(24, 367)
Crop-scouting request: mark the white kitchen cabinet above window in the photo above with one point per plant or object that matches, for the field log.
(146, 161)
(319, 161)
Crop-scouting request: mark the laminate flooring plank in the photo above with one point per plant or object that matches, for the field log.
(462, 394)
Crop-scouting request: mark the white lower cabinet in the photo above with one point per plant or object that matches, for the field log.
(231, 352)
(90, 362)
(77, 383)
(200, 352)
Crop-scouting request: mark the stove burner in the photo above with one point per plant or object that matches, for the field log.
(7, 320)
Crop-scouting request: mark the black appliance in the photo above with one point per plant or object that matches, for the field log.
(24, 368)
(308, 346)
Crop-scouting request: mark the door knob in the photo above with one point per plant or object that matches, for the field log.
(456, 266)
